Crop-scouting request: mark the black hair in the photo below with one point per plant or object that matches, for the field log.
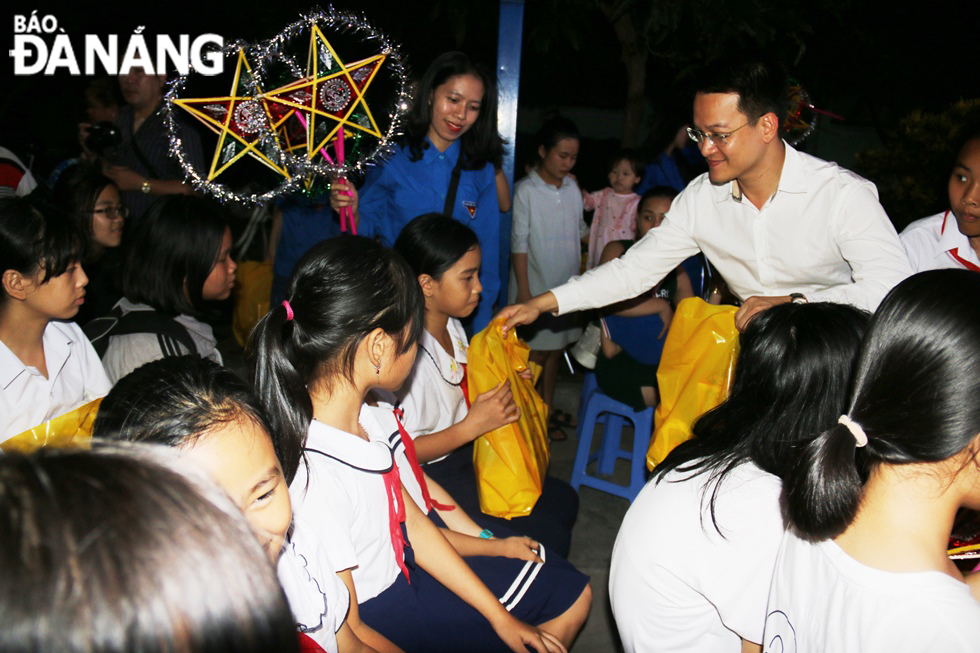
(77, 191)
(432, 243)
(481, 143)
(173, 401)
(632, 157)
(341, 290)
(172, 247)
(915, 390)
(790, 383)
(968, 131)
(118, 549)
(761, 85)
(555, 129)
(37, 239)
(658, 191)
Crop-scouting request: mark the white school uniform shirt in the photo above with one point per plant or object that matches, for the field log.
(931, 243)
(823, 233)
(340, 493)
(125, 353)
(675, 583)
(824, 600)
(431, 397)
(75, 377)
(384, 416)
(317, 597)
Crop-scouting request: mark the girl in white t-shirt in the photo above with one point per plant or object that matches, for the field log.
(351, 324)
(217, 424)
(871, 501)
(47, 365)
(445, 256)
(694, 556)
(546, 247)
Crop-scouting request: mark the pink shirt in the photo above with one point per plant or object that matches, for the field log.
(615, 219)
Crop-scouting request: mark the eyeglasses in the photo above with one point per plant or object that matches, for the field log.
(718, 140)
(112, 212)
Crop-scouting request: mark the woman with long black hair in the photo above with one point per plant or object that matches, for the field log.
(446, 165)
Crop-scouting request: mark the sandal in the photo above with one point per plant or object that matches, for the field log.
(563, 419)
(556, 432)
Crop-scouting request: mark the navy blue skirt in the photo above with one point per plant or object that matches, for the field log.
(550, 522)
(425, 617)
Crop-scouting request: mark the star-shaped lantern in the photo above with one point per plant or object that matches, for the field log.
(311, 112)
(313, 107)
(241, 120)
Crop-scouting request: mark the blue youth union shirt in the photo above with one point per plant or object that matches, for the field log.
(399, 190)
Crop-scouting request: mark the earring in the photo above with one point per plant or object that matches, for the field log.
(377, 370)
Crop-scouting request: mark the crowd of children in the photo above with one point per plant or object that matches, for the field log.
(810, 512)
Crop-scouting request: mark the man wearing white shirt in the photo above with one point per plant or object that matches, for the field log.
(779, 225)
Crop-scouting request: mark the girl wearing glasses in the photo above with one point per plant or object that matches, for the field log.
(92, 200)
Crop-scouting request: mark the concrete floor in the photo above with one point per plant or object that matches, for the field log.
(595, 531)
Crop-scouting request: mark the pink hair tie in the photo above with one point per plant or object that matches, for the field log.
(859, 435)
(289, 310)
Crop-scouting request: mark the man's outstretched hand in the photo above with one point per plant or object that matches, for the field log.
(755, 305)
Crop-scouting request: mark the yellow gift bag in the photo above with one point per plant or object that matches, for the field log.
(695, 371)
(253, 286)
(73, 428)
(511, 461)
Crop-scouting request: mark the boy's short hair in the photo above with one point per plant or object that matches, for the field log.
(968, 130)
(668, 192)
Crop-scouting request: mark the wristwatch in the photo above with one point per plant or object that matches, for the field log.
(798, 298)
(145, 188)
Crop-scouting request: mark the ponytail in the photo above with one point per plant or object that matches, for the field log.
(280, 386)
(342, 290)
(913, 400)
(823, 490)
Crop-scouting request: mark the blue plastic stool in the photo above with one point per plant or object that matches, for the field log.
(589, 386)
(600, 407)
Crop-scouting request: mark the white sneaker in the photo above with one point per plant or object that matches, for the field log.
(586, 350)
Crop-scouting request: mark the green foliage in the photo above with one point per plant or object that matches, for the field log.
(912, 170)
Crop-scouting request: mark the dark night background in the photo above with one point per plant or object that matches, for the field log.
(870, 62)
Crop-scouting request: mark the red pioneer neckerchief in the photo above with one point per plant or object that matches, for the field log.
(413, 460)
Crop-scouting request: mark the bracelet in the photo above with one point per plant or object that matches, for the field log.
(485, 534)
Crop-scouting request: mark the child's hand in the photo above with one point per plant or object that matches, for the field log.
(518, 547)
(526, 374)
(493, 409)
(667, 315)
(518, 635)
